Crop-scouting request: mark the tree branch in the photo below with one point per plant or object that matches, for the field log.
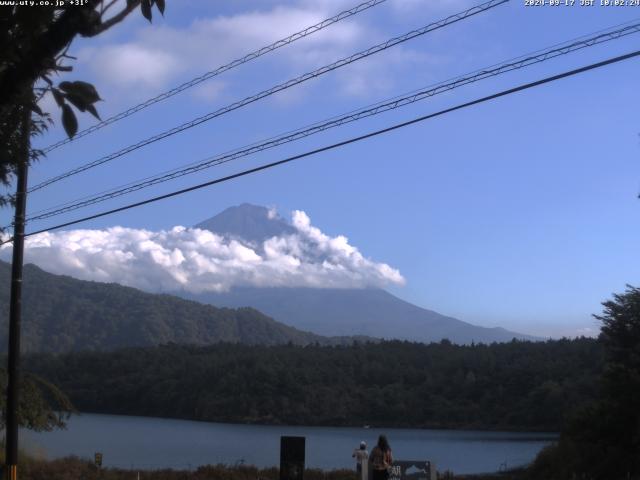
(36, 61)
(104, 9)
(131, 6)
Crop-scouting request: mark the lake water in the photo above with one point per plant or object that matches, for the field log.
(154, 443)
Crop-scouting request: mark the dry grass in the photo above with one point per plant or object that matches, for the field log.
(73, 468)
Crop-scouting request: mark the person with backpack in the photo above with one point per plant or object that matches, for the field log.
(381, 459)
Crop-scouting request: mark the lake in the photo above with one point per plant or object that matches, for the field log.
(154, 443)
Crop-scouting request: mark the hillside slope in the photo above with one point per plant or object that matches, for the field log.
(62, 314)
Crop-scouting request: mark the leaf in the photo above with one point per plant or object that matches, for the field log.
(145, 7)
(160, 4)
(84, 90)
(92, 110)
(58, 96)
(69, 121)
(89, 26)
(77, 102)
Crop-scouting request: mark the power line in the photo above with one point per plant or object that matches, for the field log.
(596, 37)
(218, 71)
(397, 102)
(375, 133)
(280, 87)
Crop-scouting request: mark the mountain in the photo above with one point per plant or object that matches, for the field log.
(62, 314)
(371, 312)
(330, 311)
(251, 223)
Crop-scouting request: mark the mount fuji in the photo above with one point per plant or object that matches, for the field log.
(372, 312)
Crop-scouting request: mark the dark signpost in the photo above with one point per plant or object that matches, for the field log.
(292, 453)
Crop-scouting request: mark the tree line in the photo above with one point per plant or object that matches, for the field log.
(516, 386)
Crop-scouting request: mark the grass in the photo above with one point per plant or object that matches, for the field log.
(74, 468)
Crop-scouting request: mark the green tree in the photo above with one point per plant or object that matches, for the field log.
(43, 407)
(34, 44)
(620, 335)
(602, 441)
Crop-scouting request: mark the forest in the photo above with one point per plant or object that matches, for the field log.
(63, 314)
(515, 386)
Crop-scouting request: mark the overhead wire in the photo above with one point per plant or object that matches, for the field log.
(375, 109)
(343, 143)
(218, 71)
(483, 7)
(605, 31)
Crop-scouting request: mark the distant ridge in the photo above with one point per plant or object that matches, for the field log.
(370, 312)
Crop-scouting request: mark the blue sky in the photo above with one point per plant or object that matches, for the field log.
(521, 212)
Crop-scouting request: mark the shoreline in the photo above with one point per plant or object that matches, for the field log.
(545, 434)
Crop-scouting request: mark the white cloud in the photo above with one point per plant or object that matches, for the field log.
(134, 64)
(209, 91)
(431, 6)
(376, 75)
(198, 260)
(159, 55)
(587, 332)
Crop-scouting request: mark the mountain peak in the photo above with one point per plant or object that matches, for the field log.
(252, 223)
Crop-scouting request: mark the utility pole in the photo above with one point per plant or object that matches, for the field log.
(15, 308)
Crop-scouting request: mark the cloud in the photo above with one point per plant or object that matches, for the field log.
(431, 6)
(587, 332)
(160, 55)
(209, 91)
(133, 65)
(198, 260)
(372, 76)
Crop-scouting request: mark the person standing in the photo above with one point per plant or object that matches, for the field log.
(381, 459)
(361, 455)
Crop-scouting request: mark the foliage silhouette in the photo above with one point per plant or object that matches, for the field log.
(602, 441)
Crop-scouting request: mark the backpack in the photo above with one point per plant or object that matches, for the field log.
(378, 458)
